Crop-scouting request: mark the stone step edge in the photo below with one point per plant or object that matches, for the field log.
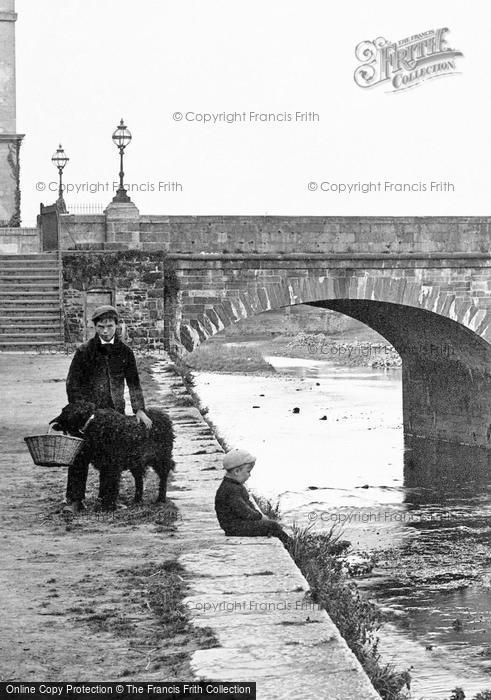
(21, 271)
(33, 293)
(49, 314)
(21, 302)
(29, 344)
(28, 326)
(32, 279)
(29, 256)
(38, 334)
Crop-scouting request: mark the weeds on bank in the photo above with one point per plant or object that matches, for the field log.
(318, 557)
(186, 374)
(270, 510)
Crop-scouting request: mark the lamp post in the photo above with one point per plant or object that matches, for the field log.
(121, 138)
(59, 160)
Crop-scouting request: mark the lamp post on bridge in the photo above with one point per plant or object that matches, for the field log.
(59, 160)
(121, 138)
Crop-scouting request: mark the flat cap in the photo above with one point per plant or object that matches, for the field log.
(236, 458)
(105, 309)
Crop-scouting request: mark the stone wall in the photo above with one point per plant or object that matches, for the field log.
(19, 241)
(87, 231)
(134, 282)
(285, 234)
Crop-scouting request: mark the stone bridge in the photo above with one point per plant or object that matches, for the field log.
(423, 284)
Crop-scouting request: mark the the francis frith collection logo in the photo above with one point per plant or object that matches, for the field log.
(407, 62)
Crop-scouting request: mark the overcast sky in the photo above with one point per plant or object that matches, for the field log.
(84, 64)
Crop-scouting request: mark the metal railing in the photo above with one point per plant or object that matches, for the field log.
(85, 208)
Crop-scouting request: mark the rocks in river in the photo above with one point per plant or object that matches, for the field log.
(296, 410)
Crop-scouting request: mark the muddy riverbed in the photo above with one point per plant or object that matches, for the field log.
(421, 510)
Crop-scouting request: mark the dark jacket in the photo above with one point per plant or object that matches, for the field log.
(233, 505)
(98, 373)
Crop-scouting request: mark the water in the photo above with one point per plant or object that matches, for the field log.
(424, 508)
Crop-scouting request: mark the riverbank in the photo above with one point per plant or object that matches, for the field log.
(249, 354)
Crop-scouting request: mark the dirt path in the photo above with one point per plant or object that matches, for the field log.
(97, 600)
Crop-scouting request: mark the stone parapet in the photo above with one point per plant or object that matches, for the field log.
(19, 241)
(278, 235)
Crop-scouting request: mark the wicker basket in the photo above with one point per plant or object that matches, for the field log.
(53, 450)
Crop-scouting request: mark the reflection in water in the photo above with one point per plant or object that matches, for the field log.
(423, 506)
(442, 470)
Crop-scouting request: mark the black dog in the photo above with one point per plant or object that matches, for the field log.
(115, 442)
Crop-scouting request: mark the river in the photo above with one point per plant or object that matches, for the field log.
(423, 509)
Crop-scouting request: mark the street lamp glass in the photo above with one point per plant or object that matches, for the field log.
(121, 136)
(59, 159)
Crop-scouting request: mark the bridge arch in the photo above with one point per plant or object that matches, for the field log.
(442, 335)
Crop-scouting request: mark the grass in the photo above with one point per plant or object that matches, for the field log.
(270, 510)
(147, 609)
(216, 357)
(357, 619)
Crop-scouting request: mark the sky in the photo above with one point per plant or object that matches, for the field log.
(82, 65)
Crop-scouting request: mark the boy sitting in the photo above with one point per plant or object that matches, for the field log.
(235, 511)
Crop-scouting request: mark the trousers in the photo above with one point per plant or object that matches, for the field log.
(259, 528)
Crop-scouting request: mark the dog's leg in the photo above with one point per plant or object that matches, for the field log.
(109, 487)
(162, 472)
(138, 477)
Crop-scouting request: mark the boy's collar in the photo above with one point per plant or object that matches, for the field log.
(100, 342)
(228, 476)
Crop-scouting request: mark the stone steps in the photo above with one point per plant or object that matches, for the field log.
(30, 315)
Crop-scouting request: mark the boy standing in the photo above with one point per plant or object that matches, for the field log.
(97, 373)
(235, 511)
